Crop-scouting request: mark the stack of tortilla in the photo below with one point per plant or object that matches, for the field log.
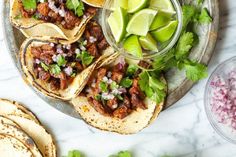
(21, 133)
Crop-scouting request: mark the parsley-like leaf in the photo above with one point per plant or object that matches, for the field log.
(29, 4)
(61, 60)
(122, 154)
(131, 70)
(195, 71)
(85, 57)
(189, 13)
(204, 17)
(103, 86)
(74, 153)
(55, 69)
(126, 82)
(76, 5)
(184, 45)
(44, 66)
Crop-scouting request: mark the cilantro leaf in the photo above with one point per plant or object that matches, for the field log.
(152, 87)
(74, 153)
(122, 154)
(76, 5)
(114, 85)
(103, 86)
(55, 69)
(29, 4)
(44, 66)
(126, 82)
(189, 13)
(184, 45)
(195, 71)
(204, 17)
(61, 60)
(131, 70)
(85, 57)
(200, 1)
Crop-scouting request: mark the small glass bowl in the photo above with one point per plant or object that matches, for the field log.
(224, 130)
(118, 47)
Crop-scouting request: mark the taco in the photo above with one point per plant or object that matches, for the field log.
(59, 70)
(63, 19)
(115, 98)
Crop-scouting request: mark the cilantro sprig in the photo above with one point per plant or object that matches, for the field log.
(76, 5)
(178, 56)
(29, 4)
(153, 86)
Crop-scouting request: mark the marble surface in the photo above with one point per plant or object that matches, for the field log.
(183, 130)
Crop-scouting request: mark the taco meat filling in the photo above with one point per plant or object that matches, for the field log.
(58, 64)
(115, 91)
(62, 12)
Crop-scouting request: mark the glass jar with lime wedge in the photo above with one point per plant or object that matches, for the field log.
(142, 29)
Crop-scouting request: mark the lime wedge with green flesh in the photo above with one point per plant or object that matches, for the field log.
(132, 46)
(148, 43)
(165, 33)
(160, 20)
(118, 21)
(140, 22)
(136, 5)
(163, 5)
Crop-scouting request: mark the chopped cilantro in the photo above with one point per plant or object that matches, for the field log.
(98, 97)
(131, 70)
(126, 82)
(120, 97)
(114, 85)
(29, 4)
(74, 153)
(55, 69)
(35, 16)
(103, 86)
(122, 154)
(76, 5)
(85, 57)
(61, 60)
(44, 66)
(204, 17)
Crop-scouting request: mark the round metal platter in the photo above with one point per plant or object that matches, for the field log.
(178, 85)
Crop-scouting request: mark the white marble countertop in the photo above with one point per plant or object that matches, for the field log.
(183, 130)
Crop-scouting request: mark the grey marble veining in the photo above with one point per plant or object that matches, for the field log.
(183, 130)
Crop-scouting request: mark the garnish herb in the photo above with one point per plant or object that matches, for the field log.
(61, 60)
(126, 82)
(131, 70)
(154, 88)
(55, 69)
(122, 154)
(85, 57)
(98, 97)
(114, 85)
(103, 86)
(204, 17)
(76, 5)
(29, 4)
(120, 97)
(178, 56)
(44, 66)
(74, 153)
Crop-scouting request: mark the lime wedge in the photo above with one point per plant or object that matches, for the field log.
(118, 21)
(132, 46)
(119, 3)
(163, 5)
(165, 33)
(136, 5)
(140, 22)
(148, 43)
(160, 20)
